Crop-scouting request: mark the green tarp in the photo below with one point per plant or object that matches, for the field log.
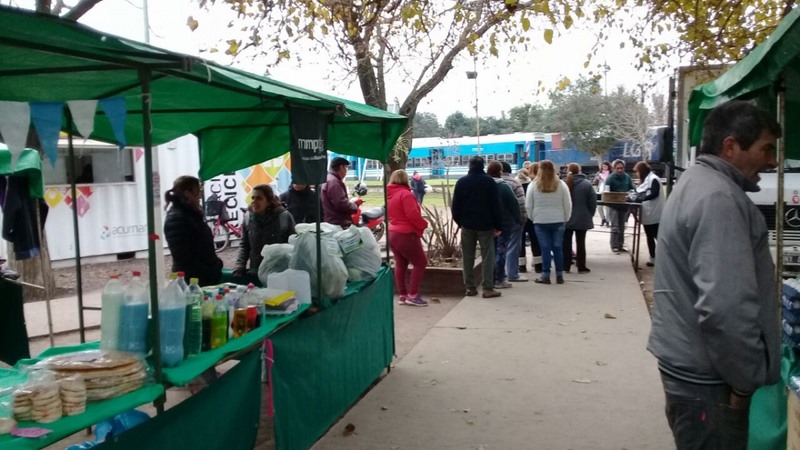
(325, 362)
(240, 118)
(29, 164)
(754, 78)
(224, 415)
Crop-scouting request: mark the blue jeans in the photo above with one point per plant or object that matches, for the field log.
(701, 417)
(501, 244)
(513, 247)
(551, 241)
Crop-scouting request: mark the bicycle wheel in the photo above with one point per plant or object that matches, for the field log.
(221, 236)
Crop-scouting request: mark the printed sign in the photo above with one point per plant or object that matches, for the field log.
(309, 138)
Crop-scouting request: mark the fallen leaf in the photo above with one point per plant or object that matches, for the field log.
(461, 328)
(349, 429)
(469, 422)
(384, 408)
(466, 410)
(601, 363)
(563, 323)
(582, 381)
(610, 316)
(435, 300)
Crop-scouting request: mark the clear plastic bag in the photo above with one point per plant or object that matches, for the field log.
(334, 271)
(276, 259)
(44, 396)
(7, 422)
(365, 261)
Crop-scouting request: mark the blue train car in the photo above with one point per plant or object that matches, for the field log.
(449, 157)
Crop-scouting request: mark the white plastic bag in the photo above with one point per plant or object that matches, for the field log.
(276, 259)
(365, 261)
(334, 272)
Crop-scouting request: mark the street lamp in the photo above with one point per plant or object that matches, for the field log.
(473, 75)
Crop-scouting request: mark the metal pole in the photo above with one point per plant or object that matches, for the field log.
(74, 193)
(477, 116)
(670, 126)
(320, 302)
(144, 78)
(779, 207)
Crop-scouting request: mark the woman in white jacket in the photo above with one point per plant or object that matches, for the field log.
(549, 207)
(649, 194)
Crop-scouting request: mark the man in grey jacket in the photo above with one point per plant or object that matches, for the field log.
(715, 329)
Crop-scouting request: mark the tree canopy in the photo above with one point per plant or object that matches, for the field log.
(413, 40)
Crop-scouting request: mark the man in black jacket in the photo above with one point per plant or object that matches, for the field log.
(301, 201)
(476, 209)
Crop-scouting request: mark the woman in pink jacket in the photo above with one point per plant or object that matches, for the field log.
(405, 227)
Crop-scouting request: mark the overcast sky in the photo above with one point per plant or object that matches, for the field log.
(501, 84)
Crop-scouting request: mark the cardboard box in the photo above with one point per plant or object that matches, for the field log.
(793, 422)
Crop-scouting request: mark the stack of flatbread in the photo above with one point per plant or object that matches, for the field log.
(73, 395)
(46, 400)
(23, 405)
(107, 374)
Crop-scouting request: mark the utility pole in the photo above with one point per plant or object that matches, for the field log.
(473, 75)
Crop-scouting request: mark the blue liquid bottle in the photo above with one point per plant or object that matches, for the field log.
(133, 317)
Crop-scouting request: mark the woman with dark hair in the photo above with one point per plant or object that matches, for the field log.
(649, 194)
(406, 228)
(584, 204)
(600, 178)
(188, 237)
(268, 222)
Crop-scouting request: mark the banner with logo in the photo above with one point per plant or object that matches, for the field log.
(309, 138)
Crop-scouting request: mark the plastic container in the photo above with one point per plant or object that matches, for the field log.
(172, 321)
(133, 316)
(111, 304)
(182, 281)
(208, 313)
(219, 323)
(292, 280)
(193, 335)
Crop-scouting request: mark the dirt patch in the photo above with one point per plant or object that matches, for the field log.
(95, 276)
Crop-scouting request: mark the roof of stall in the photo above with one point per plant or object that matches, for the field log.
(754, 78)
(240, 118)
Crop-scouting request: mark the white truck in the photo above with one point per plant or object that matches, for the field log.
(766, 199)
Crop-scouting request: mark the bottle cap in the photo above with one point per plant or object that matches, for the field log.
(181, 274)
(250, 285)
(136, 273)
(173, 276)
(193, 280)
(219, 297)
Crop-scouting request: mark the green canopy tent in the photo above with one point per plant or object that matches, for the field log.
(239, 118)
(770, 77)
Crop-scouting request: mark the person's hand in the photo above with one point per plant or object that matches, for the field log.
(736, 401)
(497, 233)
(359, 201)
(238, 272)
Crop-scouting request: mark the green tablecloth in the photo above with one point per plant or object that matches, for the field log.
(323, 363)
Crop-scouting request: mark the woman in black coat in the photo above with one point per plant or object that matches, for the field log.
(189, 238)
(584, 204)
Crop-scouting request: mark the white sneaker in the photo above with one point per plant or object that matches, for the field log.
(502, 285)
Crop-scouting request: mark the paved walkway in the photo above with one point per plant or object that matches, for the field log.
(542, 367)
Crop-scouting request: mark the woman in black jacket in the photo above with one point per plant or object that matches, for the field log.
(268, 222)
(189, 238)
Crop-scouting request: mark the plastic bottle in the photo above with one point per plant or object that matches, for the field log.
(219, 323)
(182, 281)
(111, 304)
(133, 316)
(208, 313)
(249, 300)
(230, 302)
(193, 336)
(172, 321)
